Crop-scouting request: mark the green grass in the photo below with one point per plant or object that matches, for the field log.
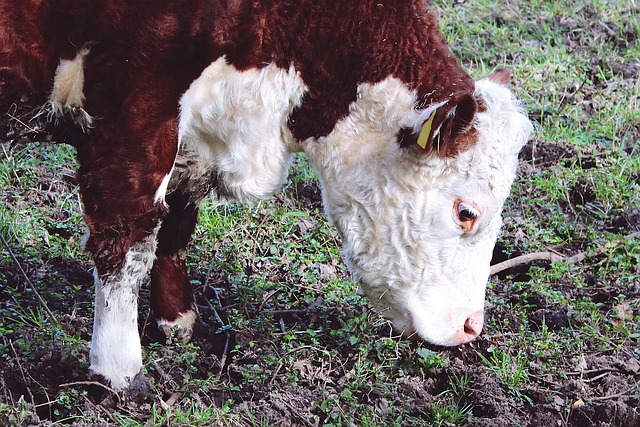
(511, 371)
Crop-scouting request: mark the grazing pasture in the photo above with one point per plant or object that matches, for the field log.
(284, 336)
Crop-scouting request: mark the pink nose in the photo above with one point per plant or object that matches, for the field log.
(472, 327)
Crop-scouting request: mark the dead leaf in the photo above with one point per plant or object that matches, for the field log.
(618, 322)
(305, 224)
(304, 366)
(624, 311)
(632, 365)
(328, 271)
(582, 364)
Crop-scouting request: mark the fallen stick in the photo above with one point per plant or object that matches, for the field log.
(623, 393)
(552, 257)
(29, 282)
(96, 383)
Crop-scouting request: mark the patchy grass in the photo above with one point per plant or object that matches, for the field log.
(286, 338)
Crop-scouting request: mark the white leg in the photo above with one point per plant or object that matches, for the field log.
(115, 345)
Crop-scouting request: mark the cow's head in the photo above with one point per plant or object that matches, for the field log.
(417, 194)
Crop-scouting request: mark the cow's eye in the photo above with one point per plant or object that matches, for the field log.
(466, 214)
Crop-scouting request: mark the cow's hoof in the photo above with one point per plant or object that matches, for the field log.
(170, 332)
(139, 389)
(181, 328)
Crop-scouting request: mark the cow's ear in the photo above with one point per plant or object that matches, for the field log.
(439, 126)
(500, 76)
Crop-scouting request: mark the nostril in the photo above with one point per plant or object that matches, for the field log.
(473, 324)
(468, 327)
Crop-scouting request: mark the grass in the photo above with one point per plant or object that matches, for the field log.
(512, 372)
(339, 364)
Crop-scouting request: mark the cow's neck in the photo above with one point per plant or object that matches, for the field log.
(319, 37)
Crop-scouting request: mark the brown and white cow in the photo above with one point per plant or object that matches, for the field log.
(166, 101)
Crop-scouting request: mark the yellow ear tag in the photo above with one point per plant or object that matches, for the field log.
(426, 131)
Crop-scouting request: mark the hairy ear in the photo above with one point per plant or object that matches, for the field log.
(441, 127)
(500, 76)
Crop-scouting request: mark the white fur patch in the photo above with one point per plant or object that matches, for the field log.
(67, 96)
(115, 344)
(394, 208)
(162, 189)
(236, 122)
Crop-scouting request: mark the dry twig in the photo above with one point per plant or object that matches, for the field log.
(24, 378)
(553, 257)
(163, 374)
(623, 393)
(287, 312)
(225, 351)
(26, 278)
(75, 383)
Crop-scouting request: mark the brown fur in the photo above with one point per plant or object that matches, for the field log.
(337, 45)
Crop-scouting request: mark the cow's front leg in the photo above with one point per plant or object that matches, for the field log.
(123, 213)
(172, 300)
(115, 345)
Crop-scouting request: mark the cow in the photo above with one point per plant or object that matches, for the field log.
(169, 101)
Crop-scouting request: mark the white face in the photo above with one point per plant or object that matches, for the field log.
(418, 230)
